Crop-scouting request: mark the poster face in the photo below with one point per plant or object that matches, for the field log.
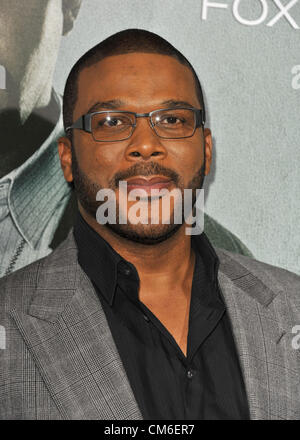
(246, 54)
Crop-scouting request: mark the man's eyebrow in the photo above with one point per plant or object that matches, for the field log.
(174, 103)
(114, 104)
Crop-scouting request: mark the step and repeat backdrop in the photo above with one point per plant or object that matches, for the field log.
(247, 56)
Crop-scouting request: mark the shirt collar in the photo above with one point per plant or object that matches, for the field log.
(38, 186)
(202, 244)
(103, 265)
(99, 260)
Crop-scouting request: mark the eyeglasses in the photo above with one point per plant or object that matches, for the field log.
(115, 126)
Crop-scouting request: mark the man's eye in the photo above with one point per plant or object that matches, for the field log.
(113, 122)
(171, 120)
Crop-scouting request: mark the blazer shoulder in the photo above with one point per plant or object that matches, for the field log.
(276, 278)
(17, 288)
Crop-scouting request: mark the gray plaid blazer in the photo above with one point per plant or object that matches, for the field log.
(58, 359)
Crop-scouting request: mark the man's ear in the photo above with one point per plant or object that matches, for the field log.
(65, 156)
(208, 149)
(70, 9)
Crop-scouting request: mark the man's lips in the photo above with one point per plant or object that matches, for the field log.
(147, 184)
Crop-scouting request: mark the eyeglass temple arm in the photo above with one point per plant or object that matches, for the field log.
(83, 123)
(200, 118)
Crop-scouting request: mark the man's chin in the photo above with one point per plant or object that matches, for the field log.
(145, 234)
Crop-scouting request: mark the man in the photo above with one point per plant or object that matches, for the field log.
(36, 204)
(33, 193)
(137, 320)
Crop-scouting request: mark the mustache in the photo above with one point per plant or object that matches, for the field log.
(139, 169)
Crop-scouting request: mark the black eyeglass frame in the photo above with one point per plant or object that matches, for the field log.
(84, 122)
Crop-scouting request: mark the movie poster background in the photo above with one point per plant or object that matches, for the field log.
(246, 53)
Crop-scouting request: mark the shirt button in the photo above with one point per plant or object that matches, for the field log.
(189, 374)
(124, 269)
(146, 318)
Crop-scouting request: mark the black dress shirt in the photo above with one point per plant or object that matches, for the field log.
(167, 385)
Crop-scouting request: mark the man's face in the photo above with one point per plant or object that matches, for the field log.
(30, 34)
(140, 83)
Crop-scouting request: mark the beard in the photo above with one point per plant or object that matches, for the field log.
(150, 234)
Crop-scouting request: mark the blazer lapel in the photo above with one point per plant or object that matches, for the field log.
(69, 338)
(259, 315)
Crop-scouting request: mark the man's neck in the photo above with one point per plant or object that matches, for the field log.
(166, 267)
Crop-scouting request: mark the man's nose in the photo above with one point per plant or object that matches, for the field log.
(144, 143)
